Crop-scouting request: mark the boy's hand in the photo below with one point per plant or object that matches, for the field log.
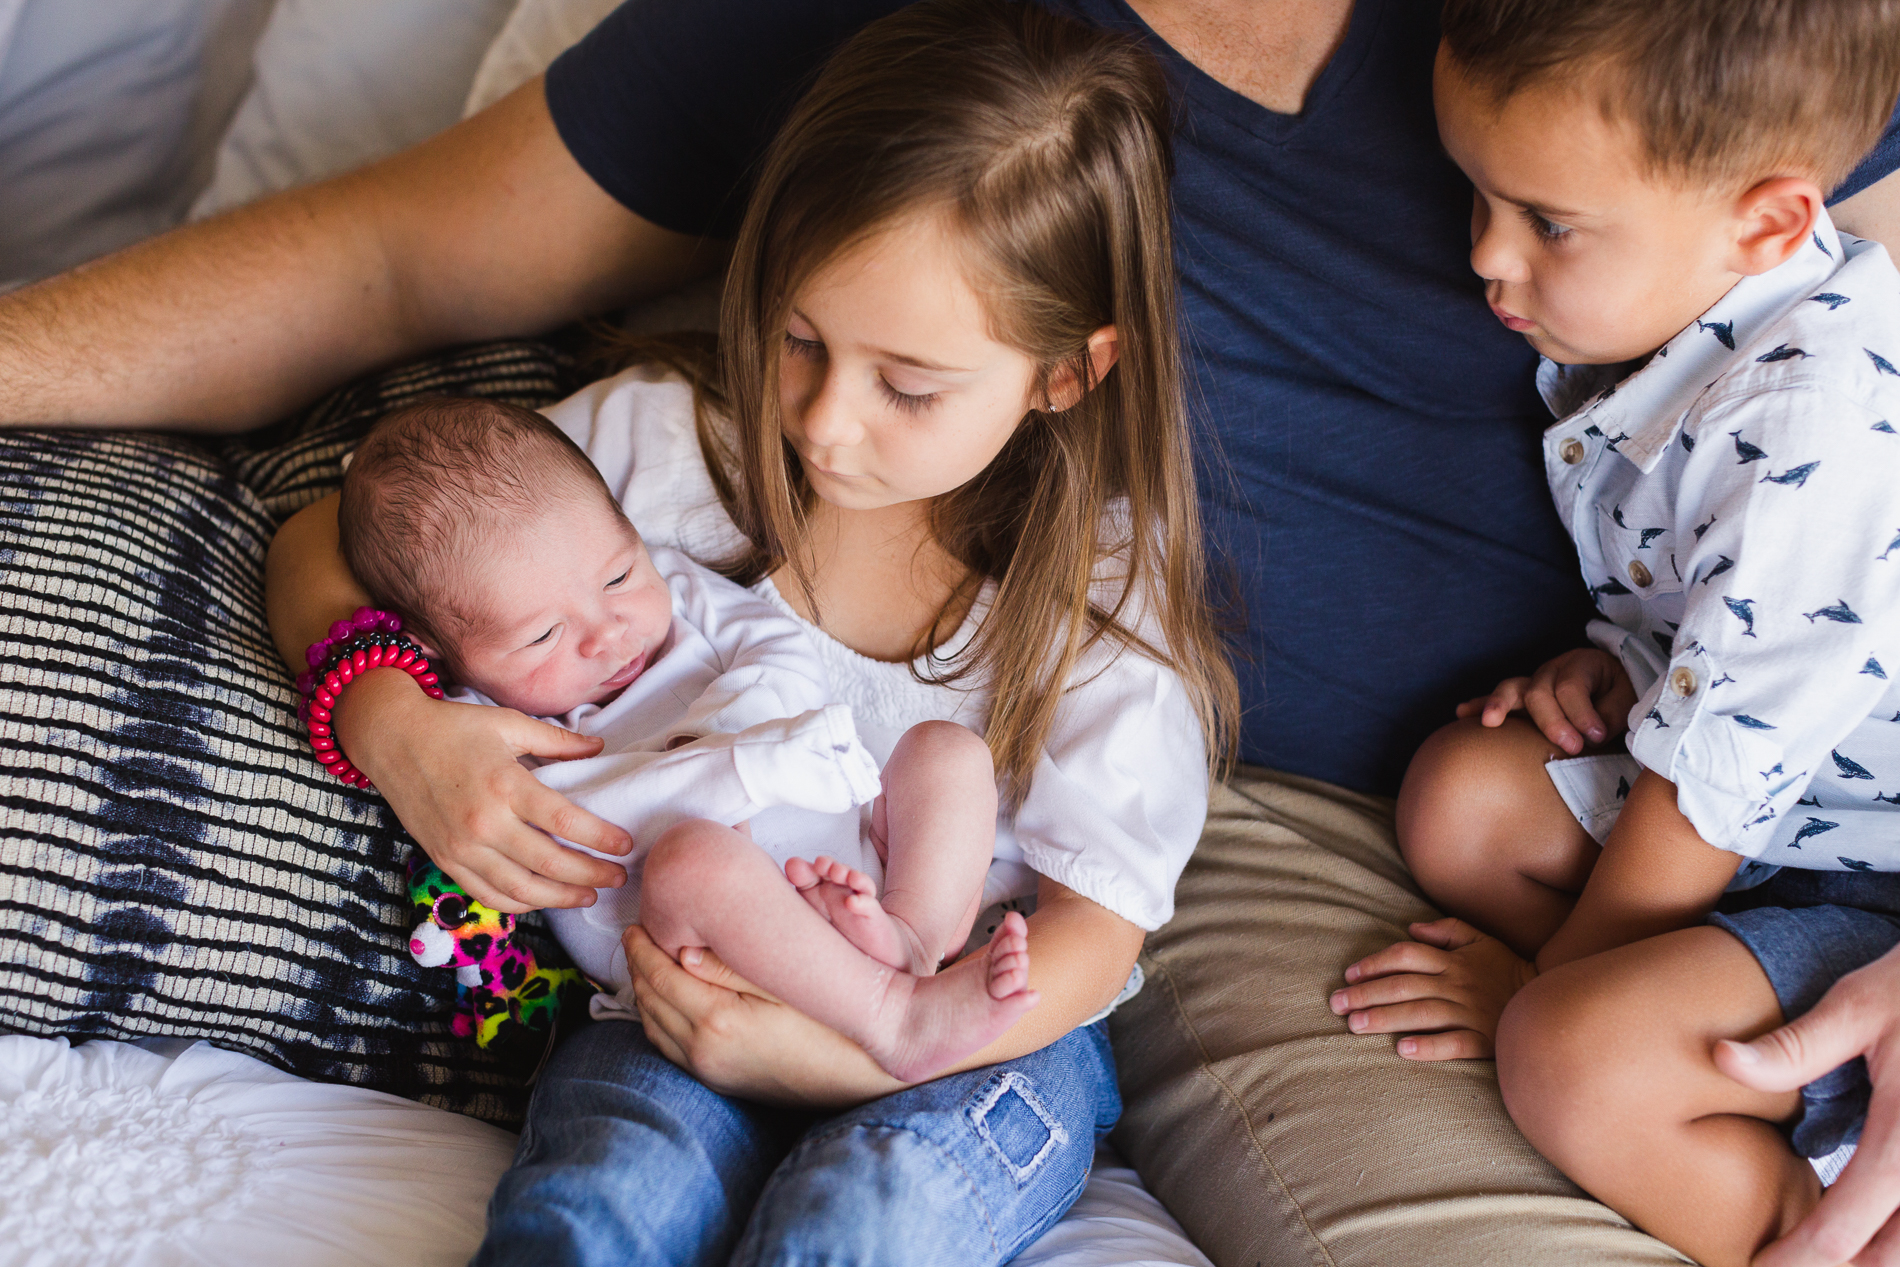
(1582, 697)
(1448, 988)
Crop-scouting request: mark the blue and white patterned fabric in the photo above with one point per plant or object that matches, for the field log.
(1736, 508)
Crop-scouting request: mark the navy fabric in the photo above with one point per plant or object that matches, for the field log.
(1374, 485)
(1808, 929)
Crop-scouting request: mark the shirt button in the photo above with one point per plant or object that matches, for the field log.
(1682, 681)
(1571, 451)
(1640, 574)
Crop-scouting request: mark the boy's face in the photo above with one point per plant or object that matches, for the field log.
(575, 609)
(1588, 257)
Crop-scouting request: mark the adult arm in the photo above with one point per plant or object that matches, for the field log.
(488, 229)
(740, 1041)
(1855, 1221)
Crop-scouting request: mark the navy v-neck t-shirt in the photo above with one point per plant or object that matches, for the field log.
(1373, 482)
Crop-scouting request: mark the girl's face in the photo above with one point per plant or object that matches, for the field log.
(891, 389)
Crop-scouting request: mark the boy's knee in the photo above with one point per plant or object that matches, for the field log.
(1463, 793)
(1557, 1065)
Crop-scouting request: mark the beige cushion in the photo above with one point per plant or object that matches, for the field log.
(1274, 1134)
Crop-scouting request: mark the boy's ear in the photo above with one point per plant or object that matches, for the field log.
(1775, 219)
(1064, 391)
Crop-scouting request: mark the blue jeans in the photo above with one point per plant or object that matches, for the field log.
(628, 1159)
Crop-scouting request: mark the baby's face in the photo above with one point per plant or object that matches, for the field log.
(575, 611)
(1592, 259)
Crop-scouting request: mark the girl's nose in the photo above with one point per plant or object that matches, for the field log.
(828, 421)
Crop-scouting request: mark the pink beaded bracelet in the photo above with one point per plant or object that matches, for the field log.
(369, 639)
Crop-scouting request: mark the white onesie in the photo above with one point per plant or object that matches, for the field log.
(738, 681)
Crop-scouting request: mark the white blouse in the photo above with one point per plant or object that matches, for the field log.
(1119, 796)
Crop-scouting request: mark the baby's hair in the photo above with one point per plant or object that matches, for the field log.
(1044, 143)
(432, 488)
(1721, 92)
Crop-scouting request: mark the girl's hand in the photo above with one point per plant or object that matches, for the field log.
(449, 771)
(1449, 988)
(1582, 697)
(739, 1040)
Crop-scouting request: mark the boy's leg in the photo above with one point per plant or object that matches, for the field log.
(627, 1159)
(1486, 834)
(935, 829)
(707, 885)
(1607, 1066)
(968, 1169)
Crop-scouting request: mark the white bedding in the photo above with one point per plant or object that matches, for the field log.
(163, 1155)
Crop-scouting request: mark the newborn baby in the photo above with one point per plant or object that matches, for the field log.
(509, 560)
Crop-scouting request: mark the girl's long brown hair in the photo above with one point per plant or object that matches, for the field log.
(1045, 141)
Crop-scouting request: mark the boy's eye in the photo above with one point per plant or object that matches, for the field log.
(617, 580)
(904, 400)
(803, 347)
(543, 638)
(1548, 230)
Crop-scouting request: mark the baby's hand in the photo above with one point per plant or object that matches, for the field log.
(1448, 989)
(1569, 699)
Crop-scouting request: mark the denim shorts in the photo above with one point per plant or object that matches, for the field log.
(1808, 929)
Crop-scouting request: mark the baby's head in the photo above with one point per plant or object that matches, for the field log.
(1634, 158)
(507, 556)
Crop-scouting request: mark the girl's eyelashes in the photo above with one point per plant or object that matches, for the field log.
(803, 347)
(1548, 230)
(904, 400)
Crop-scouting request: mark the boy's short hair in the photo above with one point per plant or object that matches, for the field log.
(1720, 91)
(432, 488)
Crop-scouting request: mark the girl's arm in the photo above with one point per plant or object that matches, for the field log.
(450, 771)
(742, 1042)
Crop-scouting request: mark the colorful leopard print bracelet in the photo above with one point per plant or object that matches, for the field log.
(369, 639)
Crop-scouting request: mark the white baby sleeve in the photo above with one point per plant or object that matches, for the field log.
(768, 666)
(814, 761)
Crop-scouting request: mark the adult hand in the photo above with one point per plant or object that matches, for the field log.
(1581, 697)
(739, 1040)
(1855, 1221)
(451, 774)
(1448, 988)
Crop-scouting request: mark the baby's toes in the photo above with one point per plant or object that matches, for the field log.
(801, 873)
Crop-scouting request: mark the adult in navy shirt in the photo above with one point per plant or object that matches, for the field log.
(1372, 480)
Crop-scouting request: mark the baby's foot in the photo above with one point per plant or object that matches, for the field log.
(962, 1009)
(848, 898)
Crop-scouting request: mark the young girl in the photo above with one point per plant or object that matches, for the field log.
(952, 442)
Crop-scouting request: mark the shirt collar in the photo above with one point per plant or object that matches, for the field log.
(1640, 413)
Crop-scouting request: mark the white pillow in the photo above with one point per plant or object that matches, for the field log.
(115, 1154)
(109, 116)
(340, 83)
(537, 33)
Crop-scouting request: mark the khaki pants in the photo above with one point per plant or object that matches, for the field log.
(1275, 1135)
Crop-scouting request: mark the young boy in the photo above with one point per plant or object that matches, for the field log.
(505, 552)
(1725, 368)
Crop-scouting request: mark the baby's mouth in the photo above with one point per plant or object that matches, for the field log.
(625, 676)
